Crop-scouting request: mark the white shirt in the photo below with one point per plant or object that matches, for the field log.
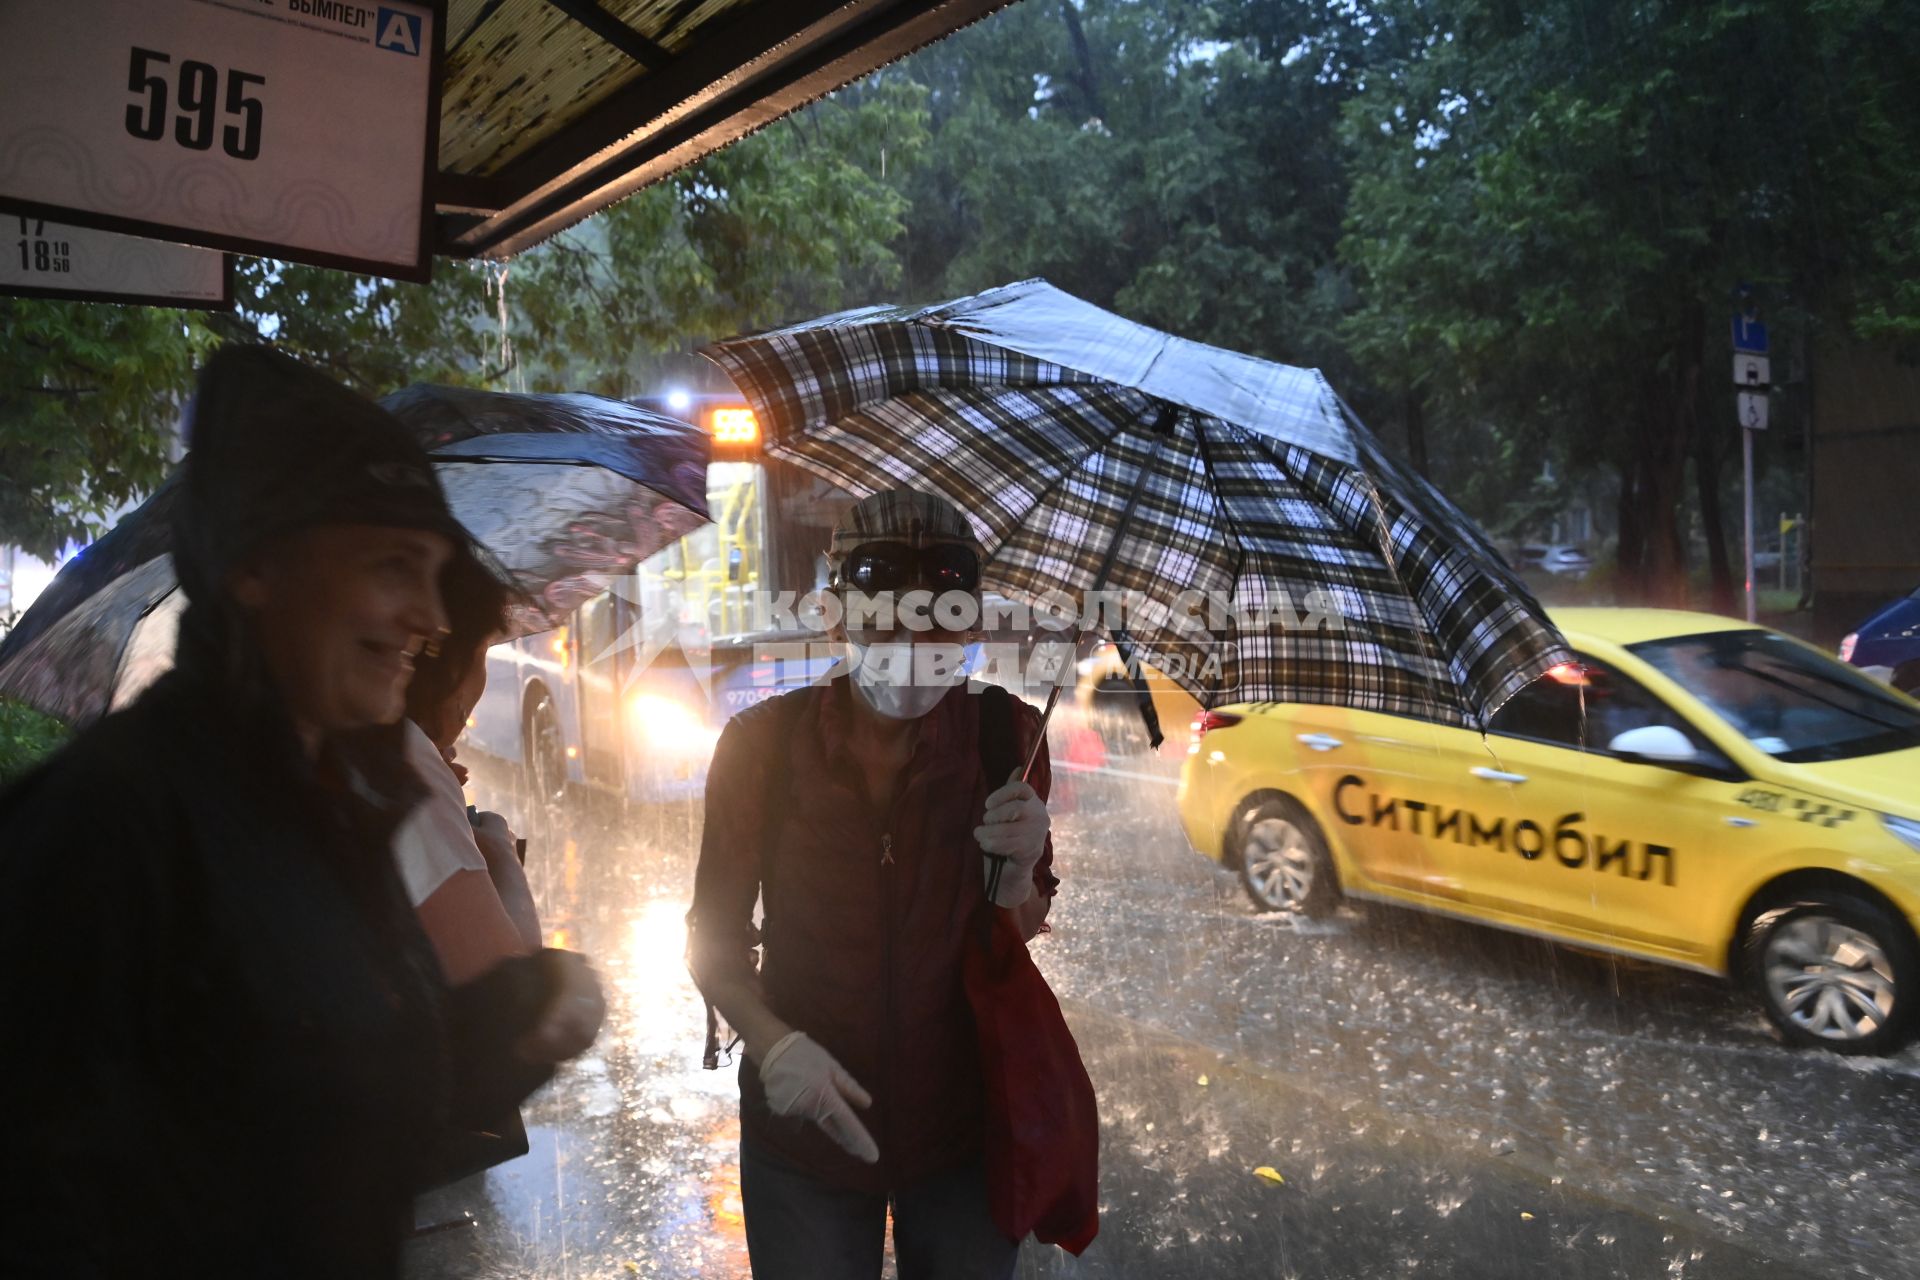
(436, 840)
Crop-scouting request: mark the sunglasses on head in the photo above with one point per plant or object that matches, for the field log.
(873, 567)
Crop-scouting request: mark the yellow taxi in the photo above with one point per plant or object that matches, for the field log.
(1692, 790)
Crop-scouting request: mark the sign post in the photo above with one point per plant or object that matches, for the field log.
(297, 129)
(1751, 371)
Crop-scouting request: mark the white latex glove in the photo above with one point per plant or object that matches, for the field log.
(1015, 825)
(802, 1079)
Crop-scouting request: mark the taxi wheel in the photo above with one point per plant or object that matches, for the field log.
(1283, 859)
(1839, 973)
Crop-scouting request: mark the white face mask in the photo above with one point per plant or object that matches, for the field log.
(905, 681)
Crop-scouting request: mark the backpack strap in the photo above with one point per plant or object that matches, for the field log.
(999, 740)
(774, 750)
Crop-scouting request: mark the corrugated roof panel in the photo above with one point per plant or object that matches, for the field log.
(518, 71)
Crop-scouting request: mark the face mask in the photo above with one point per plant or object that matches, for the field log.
(905, 681)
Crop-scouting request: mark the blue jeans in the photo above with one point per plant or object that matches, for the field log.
(799, 1228)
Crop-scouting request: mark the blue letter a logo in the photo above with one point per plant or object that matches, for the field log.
(399, 31)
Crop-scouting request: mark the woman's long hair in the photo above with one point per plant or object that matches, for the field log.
(476, 604)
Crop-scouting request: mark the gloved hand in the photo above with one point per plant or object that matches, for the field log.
(802, 1079)
(1015, 825)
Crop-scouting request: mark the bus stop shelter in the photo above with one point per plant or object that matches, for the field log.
(375, 135)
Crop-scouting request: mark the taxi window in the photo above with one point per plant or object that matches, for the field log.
(1792, 703)
(1584, 705)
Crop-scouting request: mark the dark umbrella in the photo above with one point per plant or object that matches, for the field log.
(1091, 452)
(559, 491)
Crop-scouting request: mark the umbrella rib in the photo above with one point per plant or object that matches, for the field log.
(1162, 430)
(1226, 514)
(1065, 471)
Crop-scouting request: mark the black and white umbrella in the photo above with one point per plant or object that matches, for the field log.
(1091, 453)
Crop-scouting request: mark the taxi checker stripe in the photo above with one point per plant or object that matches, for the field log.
(1043, 457)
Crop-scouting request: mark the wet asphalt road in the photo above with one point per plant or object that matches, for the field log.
(1434, 1099)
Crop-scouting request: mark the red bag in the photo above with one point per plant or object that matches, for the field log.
(1043, 1131)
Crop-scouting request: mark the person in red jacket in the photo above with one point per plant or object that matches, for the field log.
(856, 811)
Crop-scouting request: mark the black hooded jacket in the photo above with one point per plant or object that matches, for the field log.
(228, 1047)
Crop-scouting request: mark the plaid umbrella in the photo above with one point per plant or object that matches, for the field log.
(1091, 452)
(558, 491)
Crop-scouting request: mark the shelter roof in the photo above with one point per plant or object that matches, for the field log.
(553, 109)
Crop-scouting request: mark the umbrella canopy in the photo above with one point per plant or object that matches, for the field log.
(1091, 452)
(559, 491)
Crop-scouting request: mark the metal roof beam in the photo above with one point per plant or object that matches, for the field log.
(770, 59)
(615, 32)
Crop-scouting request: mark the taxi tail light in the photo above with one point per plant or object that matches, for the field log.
(1213, 720)
(1847, 646)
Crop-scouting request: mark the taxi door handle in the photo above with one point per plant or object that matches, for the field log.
(1496, 775)
(1736, 821)
(1319, 741)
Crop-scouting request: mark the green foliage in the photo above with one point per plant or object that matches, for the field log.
(1552, 206)
(1164, 159)
(26, 737)
(88, 397)
(1506, 232)
(792, 221)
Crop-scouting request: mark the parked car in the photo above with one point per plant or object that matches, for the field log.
(1887, 645)
(1692, 791)
(1558, 560)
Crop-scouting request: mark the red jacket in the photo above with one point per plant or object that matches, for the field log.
(862, 933)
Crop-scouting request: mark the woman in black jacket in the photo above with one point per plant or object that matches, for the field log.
(229, 1047)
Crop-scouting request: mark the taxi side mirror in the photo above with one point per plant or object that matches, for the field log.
(1658, 743)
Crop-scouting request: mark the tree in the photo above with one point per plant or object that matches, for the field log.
(1553, 203)
(787, 222)
(89, 395)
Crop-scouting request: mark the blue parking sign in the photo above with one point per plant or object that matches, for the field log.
(1749, 335)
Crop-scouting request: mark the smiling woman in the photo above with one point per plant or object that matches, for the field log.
(340, 612)
(227, 837)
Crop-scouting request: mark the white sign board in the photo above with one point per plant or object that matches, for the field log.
(40, 259)
(1752, 410)
(300, 129)
(1751, 370)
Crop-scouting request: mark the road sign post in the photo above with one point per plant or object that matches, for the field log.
(1752, 375)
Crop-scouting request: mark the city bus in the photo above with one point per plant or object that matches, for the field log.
(629, 696)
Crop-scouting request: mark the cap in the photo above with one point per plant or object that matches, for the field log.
(275, 447)
(901, 515)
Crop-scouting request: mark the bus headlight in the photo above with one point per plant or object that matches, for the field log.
(670, 726)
